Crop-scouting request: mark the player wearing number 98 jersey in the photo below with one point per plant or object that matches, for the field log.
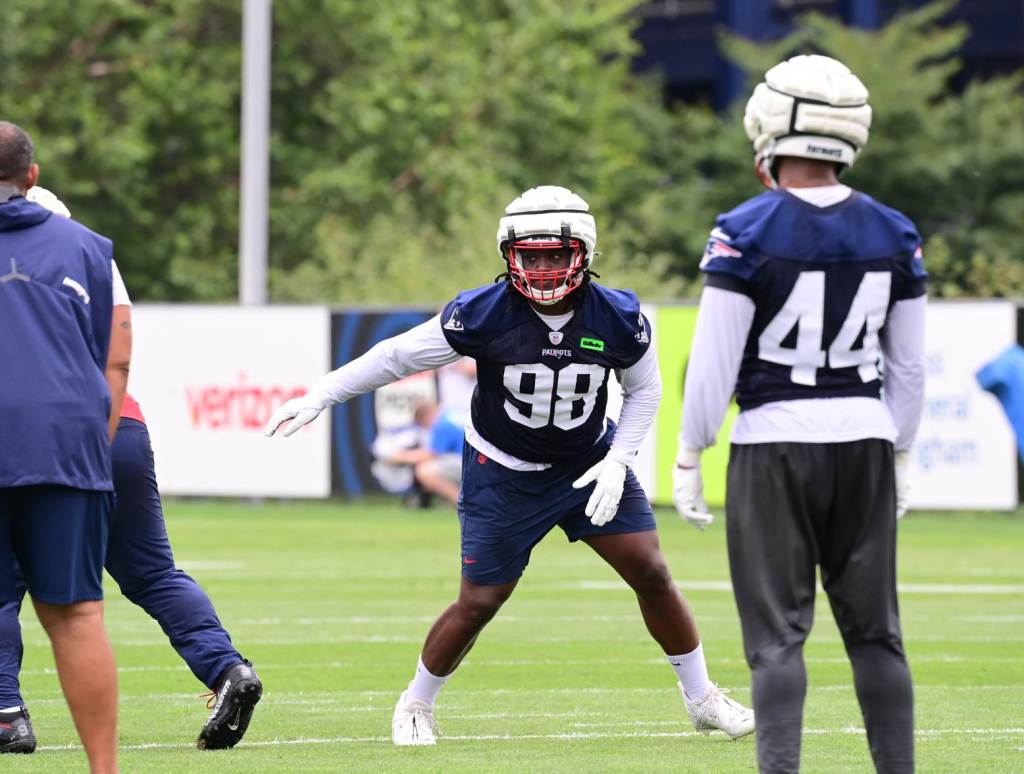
(542, 391)
(540, 452)
(809, 288)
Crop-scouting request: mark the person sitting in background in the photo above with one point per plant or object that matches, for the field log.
(440, 471)
(395, 454)
(423, 458)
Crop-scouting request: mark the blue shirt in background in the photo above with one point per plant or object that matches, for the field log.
(448, 432)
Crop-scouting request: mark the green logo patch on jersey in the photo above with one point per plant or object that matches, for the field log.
(595, 344)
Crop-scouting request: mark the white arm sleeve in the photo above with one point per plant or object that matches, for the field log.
(723, 324)
(641, 392)
(420, 349)
(903, 379)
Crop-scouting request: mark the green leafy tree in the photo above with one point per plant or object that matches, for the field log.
(401, 129)
(949, 161)
(430, 118)
(134, 109)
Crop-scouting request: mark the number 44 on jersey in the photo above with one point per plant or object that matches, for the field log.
(805, 309)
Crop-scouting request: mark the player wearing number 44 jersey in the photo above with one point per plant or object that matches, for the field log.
(540, 452)
(807, 287)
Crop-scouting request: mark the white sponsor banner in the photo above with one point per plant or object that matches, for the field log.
(965, 455)
(207, 379)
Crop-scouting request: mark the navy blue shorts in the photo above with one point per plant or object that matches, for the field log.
(504, 513)
(58, 536)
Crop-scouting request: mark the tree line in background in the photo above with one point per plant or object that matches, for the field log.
(400, 131)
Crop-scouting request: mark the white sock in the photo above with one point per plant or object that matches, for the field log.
(692, 672)
(425, 686)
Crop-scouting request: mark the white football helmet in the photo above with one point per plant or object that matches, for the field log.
(48, 199)
(808, 106)
(547, 218)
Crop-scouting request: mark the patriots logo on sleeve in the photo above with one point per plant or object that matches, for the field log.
(917, 269)
(718, 247)
(641, 335)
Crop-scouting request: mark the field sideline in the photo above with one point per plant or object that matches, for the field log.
(331, 601)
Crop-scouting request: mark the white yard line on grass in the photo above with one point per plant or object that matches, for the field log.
(529, 662)
(429, 619)
(699, 585)
(453, 707)
(903, 588)
(924, 733)
(323, 639)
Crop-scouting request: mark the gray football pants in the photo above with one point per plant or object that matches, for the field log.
(792, 507)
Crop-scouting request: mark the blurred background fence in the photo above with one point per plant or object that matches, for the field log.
(399, 131)
(211, 375)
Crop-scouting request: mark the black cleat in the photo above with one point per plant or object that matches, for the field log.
(16, 734)
(236, 697)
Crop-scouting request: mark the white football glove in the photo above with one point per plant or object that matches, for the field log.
(297, 412)
(688, 489)
(610, 475)
(902, 482)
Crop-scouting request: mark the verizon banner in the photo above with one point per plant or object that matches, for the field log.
(207, 379)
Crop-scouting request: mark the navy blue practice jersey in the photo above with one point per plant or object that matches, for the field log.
(822, 280)
(541, 394)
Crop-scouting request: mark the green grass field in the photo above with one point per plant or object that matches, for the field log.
(332, 601)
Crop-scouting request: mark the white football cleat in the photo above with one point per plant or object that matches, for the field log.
(717, 712)
(413, 722)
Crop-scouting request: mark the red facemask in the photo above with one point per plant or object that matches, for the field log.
(552, 280)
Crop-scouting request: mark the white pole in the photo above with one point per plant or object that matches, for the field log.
(255, 162)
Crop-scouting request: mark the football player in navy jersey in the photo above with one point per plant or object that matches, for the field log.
(539, 450)
(807, 287)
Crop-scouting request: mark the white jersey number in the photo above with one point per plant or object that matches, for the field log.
(535, 384)
(805, 308)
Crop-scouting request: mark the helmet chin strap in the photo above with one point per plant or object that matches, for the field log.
(764, 166)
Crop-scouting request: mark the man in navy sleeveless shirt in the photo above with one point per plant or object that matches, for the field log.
(139, 558)
(539, 450)
(58, 387)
